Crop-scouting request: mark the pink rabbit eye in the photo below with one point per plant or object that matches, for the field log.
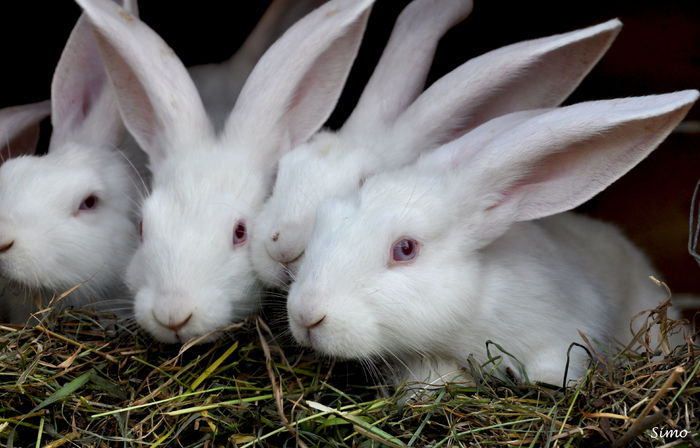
(239, 234)
(404, 250)
(89, 203)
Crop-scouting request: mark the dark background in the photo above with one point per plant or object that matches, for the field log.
(657, 51)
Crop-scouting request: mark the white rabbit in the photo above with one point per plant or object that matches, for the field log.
(68, 217)
(427, 263)
(220, 83)
(192, 274)
(390, 126)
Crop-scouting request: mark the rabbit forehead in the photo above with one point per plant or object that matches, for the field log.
(322, 159)
(410, 204)
(202, 214)
(29, 182)
(350, 236)
(305, 178)
(216, 172)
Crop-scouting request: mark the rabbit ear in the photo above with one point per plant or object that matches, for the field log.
(220, 83)
(401, 71)
(279, 16)
(157, 99)
(19, 129)
(527, 75)
(83, 106)
(558, 159)
(295, 85)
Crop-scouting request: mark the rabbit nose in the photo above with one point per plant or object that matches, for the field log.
(311, 320)
(284, 248)
(317, 323)
(6, 246)
(173, 326)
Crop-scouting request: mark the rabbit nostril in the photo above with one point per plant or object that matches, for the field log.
(317, 323)
(5, 247)
(275, 237)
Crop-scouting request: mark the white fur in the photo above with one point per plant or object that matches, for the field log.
(188, 277)
(392, 123)
(487, 268)
(55, 245)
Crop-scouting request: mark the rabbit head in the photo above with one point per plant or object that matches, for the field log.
(393, 122)
(192, 274)
(436, 258)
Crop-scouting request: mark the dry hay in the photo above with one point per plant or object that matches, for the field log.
(74, 380)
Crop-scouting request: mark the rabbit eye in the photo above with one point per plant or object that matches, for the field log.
(404, 250)
(89, 203)
(239, 234)
(141, 230)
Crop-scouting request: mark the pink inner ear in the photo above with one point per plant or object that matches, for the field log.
(23, 144)
(563, 180)
(550, 185)
(551, 169)
(86, 102)
(319, 89)
(91, 86)
(138, 115)
(78, 80)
